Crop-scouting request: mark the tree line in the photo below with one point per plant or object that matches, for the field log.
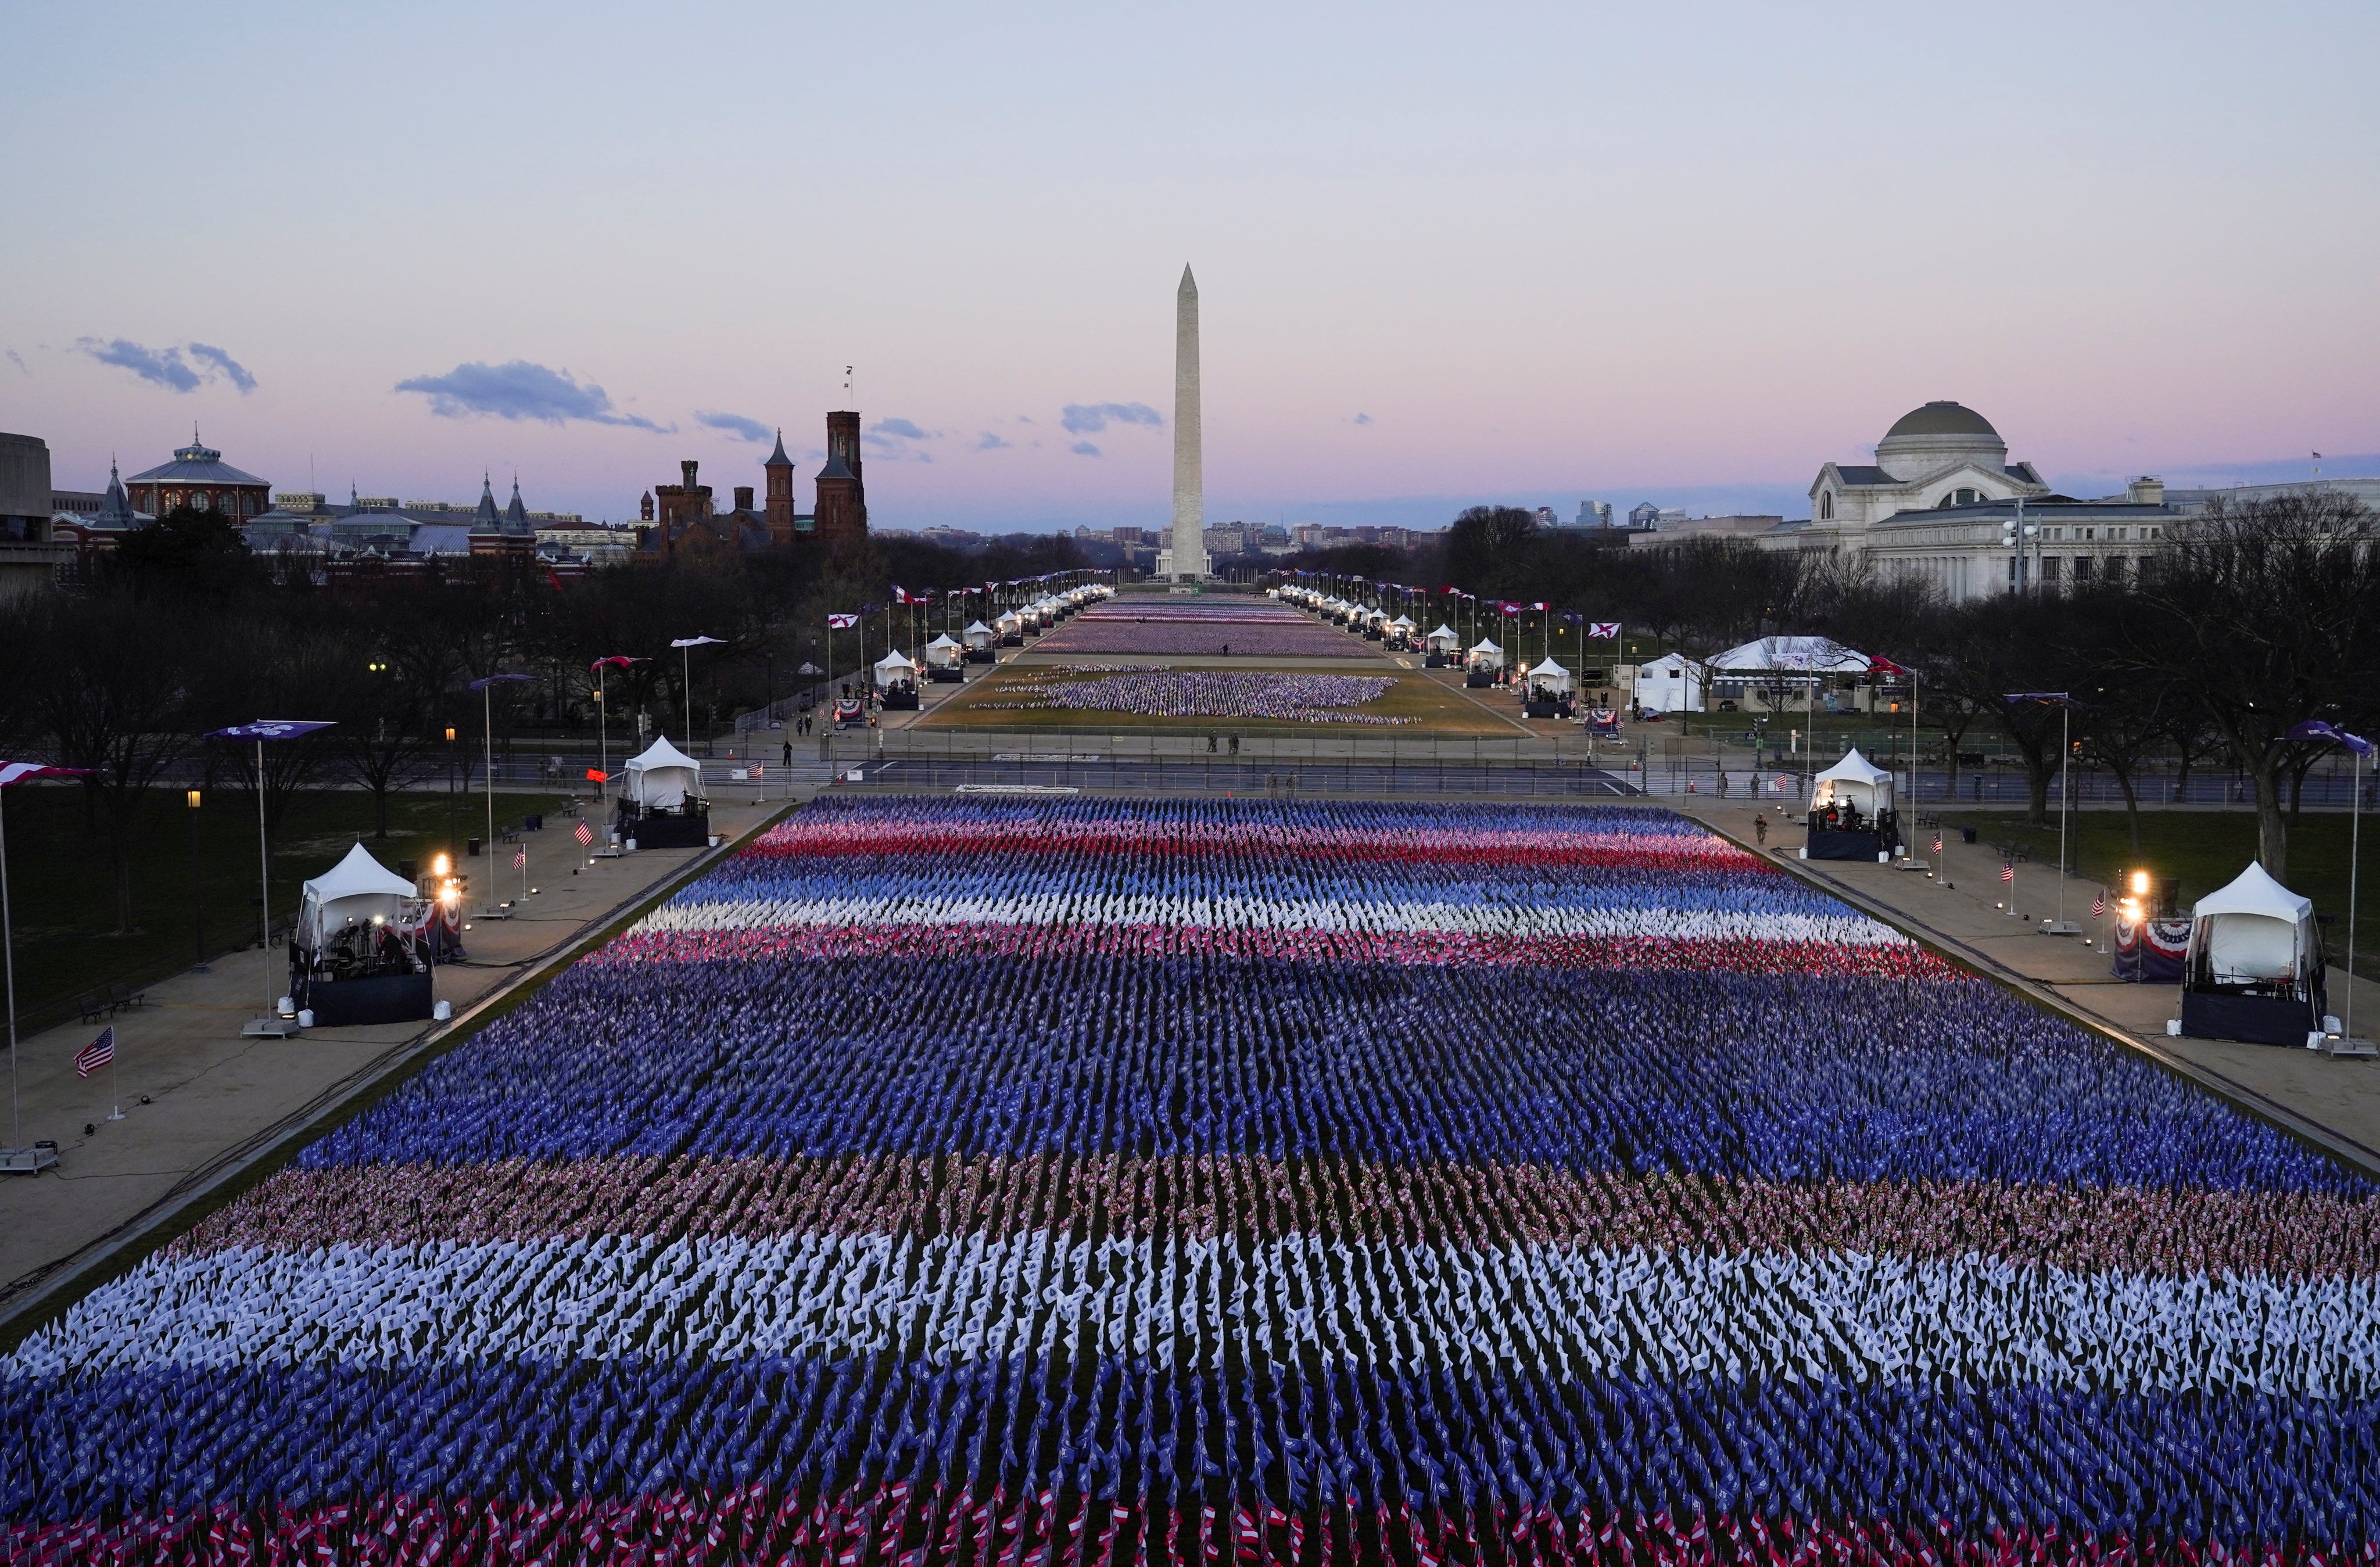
(2249, 621)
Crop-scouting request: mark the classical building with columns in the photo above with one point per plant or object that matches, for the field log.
(1942, 504)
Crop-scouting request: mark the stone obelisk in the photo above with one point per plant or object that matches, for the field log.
(1189, 465)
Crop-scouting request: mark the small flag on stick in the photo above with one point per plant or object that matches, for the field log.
(582, 834)
(2007, 871)
(1937, 842)
(97, 1053)
(2099, 902)
(520, 858)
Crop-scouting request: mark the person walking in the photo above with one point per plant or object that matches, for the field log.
(1760, 830)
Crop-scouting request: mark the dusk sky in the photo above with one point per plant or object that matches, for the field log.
(1448, 254)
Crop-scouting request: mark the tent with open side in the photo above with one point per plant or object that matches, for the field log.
(1487, 655)
(894, 668)
(1012, 629)
(353, 892)
(1552, 677)
(1852, 814)
(981, 641)
(945, 658)
(360, 955)
(2254, 967)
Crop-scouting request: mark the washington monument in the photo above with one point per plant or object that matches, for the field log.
(1189, 468)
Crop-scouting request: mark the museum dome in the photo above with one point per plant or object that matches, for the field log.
(1942, 419)
(1938, 436)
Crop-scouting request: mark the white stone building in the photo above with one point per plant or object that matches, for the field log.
(1943, 503)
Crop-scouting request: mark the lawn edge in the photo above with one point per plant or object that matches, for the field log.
(248, 1164)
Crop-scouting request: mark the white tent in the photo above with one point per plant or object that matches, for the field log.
(1444, 638)
(1400, 624)
(979, 635)
(1793, 654)
(943, 653)
(350, 892)
(2254, 931)
(1550, 676)
(1011, 624)
(663, 778)
(1855, 782)
(1487, 655)
(893, 667)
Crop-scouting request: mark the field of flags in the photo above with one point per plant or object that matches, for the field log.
(1304, 699)
(1201, 626)
(1121, 1181)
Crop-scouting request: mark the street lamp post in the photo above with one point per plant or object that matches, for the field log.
(198, 899)
(486, 689)
(685, 646)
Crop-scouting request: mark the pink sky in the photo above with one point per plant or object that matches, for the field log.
(1566, 251)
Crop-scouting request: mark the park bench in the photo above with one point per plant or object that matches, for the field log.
(96, 1005)
(126, 995)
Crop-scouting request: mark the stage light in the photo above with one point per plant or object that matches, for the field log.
(2140, 884)
(440, 866)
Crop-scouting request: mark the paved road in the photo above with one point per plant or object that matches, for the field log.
(197, 1095)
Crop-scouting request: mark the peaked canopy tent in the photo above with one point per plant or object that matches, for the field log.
(1552, 677)
(943, 653)
(360, 954)
(896, 682)
(1487, 655)
(1012, 629)
(980, 641)
(355, 891)
(1851, 814)
(2254, 970)
(663, 806)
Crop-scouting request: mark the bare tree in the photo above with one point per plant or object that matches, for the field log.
(111, 693)
(2268, 620)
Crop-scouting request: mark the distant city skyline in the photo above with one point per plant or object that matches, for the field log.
(1558, 252)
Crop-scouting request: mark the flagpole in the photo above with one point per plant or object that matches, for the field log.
(488, 763)
(8, 956)
(602, 734)
(115, 1089)
(2354, 863)
(264, 879)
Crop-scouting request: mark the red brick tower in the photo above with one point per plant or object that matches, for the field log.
(779, 508)
(842, 500)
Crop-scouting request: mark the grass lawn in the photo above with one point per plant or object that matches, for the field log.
(2205, 849)
(64, 902)
(1434, 708)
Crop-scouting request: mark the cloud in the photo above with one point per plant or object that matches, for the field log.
(734, 424)
(18, 362)
(1363, 419)
(987, 442)
(904, 428)
(159, 366)
(223, 364)
(520, 390)
(1089, 418)
(1084, 449)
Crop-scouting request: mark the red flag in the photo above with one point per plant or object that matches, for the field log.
(595, 777)
(554, 577)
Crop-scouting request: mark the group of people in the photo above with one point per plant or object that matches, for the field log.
(1090, 1180)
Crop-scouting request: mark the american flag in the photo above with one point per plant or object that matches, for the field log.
(2099, 902)
(1937, 842)
(97, 1053)
(520, 858)
(2007, 871)
(582, 834)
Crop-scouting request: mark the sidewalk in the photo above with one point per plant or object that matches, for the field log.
(198, 1097)
(2339, 1098)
